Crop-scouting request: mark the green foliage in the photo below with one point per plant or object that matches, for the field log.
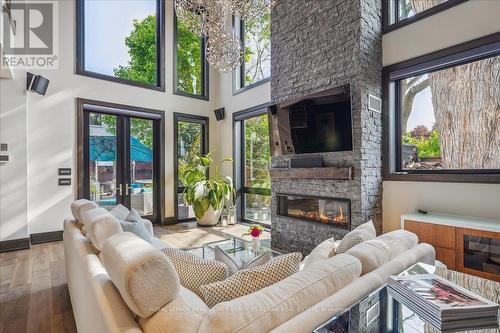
(200, 191)
(257, 152)
(141, 45)
(257, 47)
(428, 147)
(189, 61)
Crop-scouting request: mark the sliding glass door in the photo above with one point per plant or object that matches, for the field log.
(120, 159)
(252, 163)
(191, 139)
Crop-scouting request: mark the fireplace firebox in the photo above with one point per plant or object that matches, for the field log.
(331, 211)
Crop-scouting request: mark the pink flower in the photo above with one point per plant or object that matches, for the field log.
(255, 232)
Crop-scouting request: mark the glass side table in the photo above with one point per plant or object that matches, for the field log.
(238, 247)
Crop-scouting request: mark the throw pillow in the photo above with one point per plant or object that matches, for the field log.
(235, 264)
(133, 216)
(364, 232)
(138, 228)
(324, 250)
(120, 212)
(195, 271)
(250, 280)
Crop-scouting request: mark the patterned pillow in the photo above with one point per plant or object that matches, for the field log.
(235, 264)
(250, 280)
(195, 271)
(364, 232)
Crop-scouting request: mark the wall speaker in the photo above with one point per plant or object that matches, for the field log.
(273, 108)
(220, 114)
(36, 83)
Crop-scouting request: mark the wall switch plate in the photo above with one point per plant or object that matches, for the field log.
(374, 103)
(64, 171)
(64, 182)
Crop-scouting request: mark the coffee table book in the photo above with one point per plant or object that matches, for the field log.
(443, 304)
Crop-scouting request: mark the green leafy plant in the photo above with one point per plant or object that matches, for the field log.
(201, 191)
(428, 147)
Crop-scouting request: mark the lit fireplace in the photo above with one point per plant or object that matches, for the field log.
(331, 211)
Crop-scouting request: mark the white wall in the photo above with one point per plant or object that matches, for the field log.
(41, 132)
(470, 20)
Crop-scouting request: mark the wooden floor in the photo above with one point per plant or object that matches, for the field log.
(33, 291)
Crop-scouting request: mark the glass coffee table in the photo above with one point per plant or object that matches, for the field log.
(380, 313)
(238, 247)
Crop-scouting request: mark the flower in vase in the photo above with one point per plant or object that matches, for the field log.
(255, 230)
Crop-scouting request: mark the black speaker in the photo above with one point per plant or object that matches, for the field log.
(220, 114)
(273, 108)
(36, 83)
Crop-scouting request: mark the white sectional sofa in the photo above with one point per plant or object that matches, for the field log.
(298, 303)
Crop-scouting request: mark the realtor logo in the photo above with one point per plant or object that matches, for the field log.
(29, 34)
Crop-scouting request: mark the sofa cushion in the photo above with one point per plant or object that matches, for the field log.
(182, 315)
(324, 250)
(80, 206)
(250, 280)
(100, 226)
(137, 228)
(376, 252)
(235, 264)
(89, 216)
(144, 276)
(269, 307)
(133, 216)
(120, 212)
(195, 271)
(362, 233)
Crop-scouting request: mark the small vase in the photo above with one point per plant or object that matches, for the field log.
(255, 245)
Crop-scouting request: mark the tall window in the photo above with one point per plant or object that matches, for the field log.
(121, 41)
(446, 112)
(252, 162)
(191, 139)
(191, 71)
(256, 38)
(399, 13)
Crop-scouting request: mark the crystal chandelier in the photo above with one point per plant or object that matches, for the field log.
(206, 18)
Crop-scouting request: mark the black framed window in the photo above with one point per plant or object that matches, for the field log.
(190, 65)
(252, 161)
(255, 36)
(442, 112)
(122, 41)
(398, 13)
(191, 139)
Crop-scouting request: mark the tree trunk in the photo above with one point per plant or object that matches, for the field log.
(466, 102)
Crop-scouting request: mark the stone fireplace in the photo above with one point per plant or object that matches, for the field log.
(319, 45)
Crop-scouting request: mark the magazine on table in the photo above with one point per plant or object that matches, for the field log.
(439, 299)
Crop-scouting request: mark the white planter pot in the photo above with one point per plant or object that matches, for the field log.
(210, 218)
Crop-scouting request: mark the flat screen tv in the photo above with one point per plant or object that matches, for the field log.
(315, 123)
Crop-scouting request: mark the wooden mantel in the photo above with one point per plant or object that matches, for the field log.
(339, 173)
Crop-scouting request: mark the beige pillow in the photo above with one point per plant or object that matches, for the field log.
(250, 280)
(195, 271)
(80, 206)
(99, 226)
(362, 233)
(120, 212)
(235, 264)
(145, 277)
(376, 252)
(324, 250)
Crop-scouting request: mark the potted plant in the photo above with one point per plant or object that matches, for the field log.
(205, 194)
